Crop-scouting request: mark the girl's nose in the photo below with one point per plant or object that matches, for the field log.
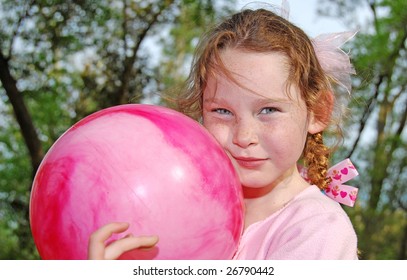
(245, 134)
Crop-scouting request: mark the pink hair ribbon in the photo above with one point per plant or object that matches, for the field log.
(341, 173)
(335, 62)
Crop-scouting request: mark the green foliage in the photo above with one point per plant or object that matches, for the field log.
(194, 19)
(15, 176)
(388, 233)
(376, 132)
(72, 58)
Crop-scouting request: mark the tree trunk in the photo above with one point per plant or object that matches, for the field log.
(22, 115)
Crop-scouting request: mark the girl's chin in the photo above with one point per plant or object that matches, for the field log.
(255, 185)
(254, 180)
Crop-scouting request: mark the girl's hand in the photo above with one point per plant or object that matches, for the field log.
(98, 250)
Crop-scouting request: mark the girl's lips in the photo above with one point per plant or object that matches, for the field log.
(250, 162)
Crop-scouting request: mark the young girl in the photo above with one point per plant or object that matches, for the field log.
(258, 87)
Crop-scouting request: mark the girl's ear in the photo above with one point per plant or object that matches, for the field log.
(316, 126)
(321, 112)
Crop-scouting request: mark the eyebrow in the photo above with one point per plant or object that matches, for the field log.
(259, 101)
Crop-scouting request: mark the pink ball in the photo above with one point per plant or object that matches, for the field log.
(147, 165)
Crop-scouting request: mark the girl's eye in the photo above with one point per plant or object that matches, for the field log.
(221, 111)
(268, 110)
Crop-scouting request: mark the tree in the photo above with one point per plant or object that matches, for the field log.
(379, 110)
(62, 60)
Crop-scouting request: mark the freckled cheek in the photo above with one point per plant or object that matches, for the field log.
(220, 132)
(283, 142)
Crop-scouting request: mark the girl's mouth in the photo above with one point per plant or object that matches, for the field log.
(250, 162)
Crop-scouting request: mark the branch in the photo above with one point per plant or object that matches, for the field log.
(129, 61)
(21, 113)
(372, 5)
(387, 73)
(403, 121)
(125, 18)
(368, 110)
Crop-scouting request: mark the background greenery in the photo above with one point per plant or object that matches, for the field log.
(62, 60)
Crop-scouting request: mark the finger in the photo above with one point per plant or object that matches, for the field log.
(103, 233)
(96, 246)
(117, 248)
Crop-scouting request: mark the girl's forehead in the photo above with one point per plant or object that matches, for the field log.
(269, 69)
(224, 90)
(258, 74)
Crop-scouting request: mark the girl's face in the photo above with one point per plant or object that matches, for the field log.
(261, 128)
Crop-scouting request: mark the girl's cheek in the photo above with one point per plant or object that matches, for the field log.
(219, 132)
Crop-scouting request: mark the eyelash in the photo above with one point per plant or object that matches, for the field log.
(270, 110)
(223, 111)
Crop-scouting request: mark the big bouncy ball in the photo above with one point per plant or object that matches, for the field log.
(150, 166)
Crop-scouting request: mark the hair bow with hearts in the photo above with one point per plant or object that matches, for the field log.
(341, 173)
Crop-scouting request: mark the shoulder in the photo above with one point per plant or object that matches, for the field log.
(322, 224)
(312, 201)
(314, 207)
(311, 226)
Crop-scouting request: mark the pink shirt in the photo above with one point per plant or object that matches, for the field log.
(310, 227)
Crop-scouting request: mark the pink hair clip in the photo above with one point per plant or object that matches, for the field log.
(339, 173)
